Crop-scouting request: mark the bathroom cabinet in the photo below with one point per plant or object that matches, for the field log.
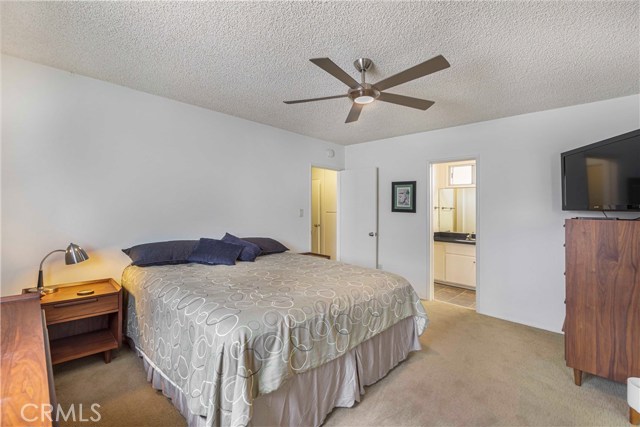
(455, 264)
(438, 261)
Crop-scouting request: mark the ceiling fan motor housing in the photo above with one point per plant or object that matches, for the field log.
(364, 91)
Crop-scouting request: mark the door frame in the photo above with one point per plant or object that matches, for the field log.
(310, 179)
(429, 218)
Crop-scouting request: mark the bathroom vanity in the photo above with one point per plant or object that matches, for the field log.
(454, 259)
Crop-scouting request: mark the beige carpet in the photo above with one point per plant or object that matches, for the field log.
(473, 370)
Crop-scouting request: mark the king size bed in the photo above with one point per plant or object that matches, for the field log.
(279, 341)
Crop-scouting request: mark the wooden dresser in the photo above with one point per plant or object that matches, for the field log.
(25, 374)
(602, 325)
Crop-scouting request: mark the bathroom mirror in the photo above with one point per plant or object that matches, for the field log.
(456, 210)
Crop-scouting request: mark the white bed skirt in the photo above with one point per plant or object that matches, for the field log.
(306, 399)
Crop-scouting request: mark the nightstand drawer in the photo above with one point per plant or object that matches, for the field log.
(69, 310)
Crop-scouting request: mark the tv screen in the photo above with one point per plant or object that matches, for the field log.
(604, 176)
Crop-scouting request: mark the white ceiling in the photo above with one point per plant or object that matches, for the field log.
(245, 58)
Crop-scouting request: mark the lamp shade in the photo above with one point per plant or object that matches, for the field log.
(74, 254)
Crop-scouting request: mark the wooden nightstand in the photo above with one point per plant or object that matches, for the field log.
(81, 325)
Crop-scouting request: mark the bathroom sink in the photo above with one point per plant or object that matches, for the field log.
(452, 237)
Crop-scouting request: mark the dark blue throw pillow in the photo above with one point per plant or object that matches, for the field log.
(249, 250)
(267, 245)
(215, 252)
(161, 253)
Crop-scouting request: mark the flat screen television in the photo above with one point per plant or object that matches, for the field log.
(604, 176)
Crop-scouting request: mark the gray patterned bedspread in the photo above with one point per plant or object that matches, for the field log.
(226, 334)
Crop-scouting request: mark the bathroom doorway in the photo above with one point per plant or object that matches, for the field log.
(324, 186)
(453, 226)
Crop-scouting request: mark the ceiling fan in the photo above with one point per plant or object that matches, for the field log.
(365, 93)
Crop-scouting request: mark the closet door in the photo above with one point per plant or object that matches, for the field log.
(358, 210)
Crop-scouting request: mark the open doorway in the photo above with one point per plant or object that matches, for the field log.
(324, 186)
(453, 197)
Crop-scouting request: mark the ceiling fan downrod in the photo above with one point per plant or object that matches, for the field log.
(366, 93)
(363, 65)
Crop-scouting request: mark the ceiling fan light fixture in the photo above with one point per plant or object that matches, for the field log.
(365, 94)
(364, 99)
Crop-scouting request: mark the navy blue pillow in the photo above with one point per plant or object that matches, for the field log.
(267, 245)
(161, 253)
(215, 252)
(249, 250)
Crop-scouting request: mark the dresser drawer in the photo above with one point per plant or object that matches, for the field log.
(69, 310)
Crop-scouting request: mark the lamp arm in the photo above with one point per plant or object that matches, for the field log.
(40, 279)
(47, 256)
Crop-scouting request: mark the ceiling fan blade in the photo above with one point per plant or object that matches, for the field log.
(427, 67)
(354, 113)
(330, 67)
(298, 101)
(407, 101)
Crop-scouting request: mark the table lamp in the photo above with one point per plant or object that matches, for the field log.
(72, 255)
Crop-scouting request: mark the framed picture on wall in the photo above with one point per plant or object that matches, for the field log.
(403, 196)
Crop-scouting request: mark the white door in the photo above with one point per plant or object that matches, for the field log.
(328, 218)
(315, 215)
(359, 217)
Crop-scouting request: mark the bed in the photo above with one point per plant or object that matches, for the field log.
(279, 341)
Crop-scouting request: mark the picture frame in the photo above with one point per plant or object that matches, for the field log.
(403, 196)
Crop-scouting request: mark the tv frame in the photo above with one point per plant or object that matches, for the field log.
(618, 138)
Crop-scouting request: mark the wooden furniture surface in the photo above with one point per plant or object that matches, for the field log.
(602, 325)
(316, 255)
(82, 325)
(23, 371)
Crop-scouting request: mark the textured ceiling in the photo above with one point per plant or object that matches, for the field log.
(245, 58)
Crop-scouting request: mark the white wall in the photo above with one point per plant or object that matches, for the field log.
(108, 167)
(520, 221)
